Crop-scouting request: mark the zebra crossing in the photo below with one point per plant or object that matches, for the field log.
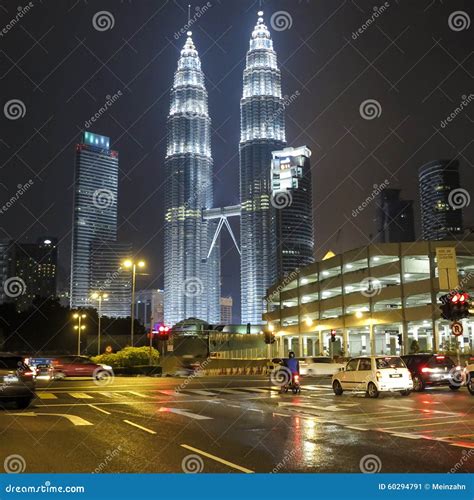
(49, 396)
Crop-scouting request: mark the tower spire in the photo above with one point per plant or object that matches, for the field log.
(189, 13)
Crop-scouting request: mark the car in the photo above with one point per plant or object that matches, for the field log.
(17, 382)
(373, 374)
(78, 366)
(468, 375)
(319, 366)
(429, 369)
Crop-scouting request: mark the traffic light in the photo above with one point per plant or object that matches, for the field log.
(400, 339)
(333, 335)
(163, 332)
(269, 337)
(455, 306)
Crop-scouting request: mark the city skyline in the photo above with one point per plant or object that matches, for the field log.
(341, 141)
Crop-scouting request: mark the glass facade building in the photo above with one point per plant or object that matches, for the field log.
(369, 297)
(192, 280)
(291, 180)
(262, 124)
(440, 218)
(95, 210)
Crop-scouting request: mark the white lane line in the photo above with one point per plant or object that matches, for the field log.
(409, 426)
(184, 413)
(170, 392)
(139, 427)
(80, 395)
(218, 459)
(139, 394)
(201, 392)
(355, 428)
(100, 409)
(74, 419)
(46, 395)
(254, 389)
(231, 391)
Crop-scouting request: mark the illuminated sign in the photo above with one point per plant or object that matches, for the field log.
(100, 141)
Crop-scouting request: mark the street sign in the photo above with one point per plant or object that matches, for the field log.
(447, 268)
(108, 349)
(456, 328)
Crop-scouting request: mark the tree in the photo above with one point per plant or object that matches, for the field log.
(414, 347)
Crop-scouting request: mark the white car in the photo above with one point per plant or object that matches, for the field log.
(468, 376)
(319, 366)
(374, 374)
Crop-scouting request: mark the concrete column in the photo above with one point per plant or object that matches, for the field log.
(305, 345)
(363, 341)
(321, 347)
(300, 346)
(345, 341)
(415, 333)
(372, 339)
(387, 343)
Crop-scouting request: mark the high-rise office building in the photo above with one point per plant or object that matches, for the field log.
(110, 277)
(192, 280)
(149, 307)
(4, 274)
(95, 209)
(394, 218)
(32, 269)
(441, 212)
(292, 195)
(262, 125)
(226, 310)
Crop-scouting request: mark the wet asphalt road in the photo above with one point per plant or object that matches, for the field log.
(236, 424)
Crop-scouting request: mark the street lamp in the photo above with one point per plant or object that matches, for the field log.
(130, 264)
(99, 296)
(79, 327)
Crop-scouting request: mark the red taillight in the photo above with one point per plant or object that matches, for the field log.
(27, 374)
(297, 379)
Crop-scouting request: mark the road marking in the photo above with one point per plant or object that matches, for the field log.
(46, 395)
(184, 413)
(100, 409)
(201, 392)
(231, 391)
(80, 395)
(74, 419)
(315, 407)
(355, 428)
(282, 415)
(421, 425)
(139, 394)
(218, 459)
(255, 389)
(170, 392)
(139, 427)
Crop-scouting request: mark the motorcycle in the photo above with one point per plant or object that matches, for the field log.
(294, 384)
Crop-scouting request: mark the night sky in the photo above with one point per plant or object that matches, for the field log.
(62, 69)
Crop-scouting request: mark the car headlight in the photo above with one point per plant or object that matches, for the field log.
(106, 367)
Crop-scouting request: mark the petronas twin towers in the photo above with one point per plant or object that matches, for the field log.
(192, 271)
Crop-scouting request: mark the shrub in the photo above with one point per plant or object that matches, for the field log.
(129, 356)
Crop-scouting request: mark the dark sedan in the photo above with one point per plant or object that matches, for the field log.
(16, 380)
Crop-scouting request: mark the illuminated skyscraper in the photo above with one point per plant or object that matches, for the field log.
(192, 286)
(262, 124)
(95, 209)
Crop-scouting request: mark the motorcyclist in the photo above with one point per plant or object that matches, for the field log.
(292, 364)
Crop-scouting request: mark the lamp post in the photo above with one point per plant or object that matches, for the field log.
(132, 265)
(99, 296)
(79, 327)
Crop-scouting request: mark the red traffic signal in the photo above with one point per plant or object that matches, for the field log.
(163, 332)
(333, 335)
